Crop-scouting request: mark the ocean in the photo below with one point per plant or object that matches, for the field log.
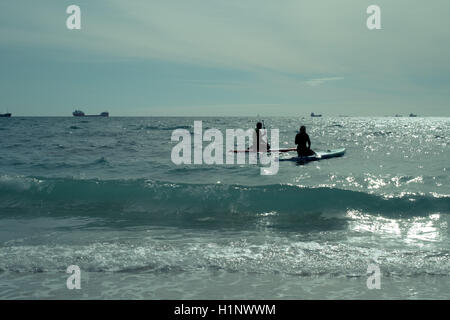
(104, 195)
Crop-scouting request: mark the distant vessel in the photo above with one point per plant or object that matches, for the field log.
(5, 115)
(79, 113)
(412, 115)
(315, 115)
(398, 115)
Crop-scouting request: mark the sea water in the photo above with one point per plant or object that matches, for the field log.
(103, 194)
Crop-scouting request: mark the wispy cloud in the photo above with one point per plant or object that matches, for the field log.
(295, 37)
(320, 81)
(271, 52)
(218, 83)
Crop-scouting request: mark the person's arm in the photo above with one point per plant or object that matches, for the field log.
(308, 142)
(296, 138)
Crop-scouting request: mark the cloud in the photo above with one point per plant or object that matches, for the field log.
(320, 81)
(299, 37)
(291, 49)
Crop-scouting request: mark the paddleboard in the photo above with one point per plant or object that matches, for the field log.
(318, 156)
(274, 150)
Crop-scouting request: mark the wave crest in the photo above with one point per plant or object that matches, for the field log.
(202, 200)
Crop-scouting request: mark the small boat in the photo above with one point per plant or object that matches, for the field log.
(315, 115)
(412, 115)
(79, 113)
(5, 115)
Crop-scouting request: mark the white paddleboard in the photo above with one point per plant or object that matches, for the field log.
(271, 150)
(318, 156)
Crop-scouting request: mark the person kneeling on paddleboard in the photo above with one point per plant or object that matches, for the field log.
(303, 143)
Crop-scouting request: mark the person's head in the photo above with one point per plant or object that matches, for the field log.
(302, 129)
(259, 125)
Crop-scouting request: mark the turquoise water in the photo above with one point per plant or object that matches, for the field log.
(103, 194)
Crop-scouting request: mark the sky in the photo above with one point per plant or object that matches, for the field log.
(225, 58)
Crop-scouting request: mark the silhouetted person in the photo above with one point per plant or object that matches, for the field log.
(260, 139)
(303, 143)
